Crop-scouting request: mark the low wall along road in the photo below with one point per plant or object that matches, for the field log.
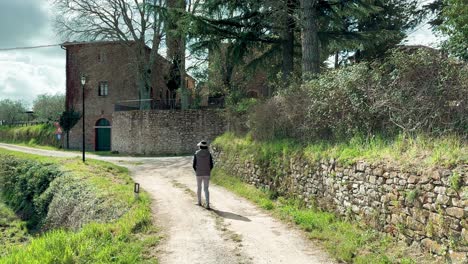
(160, 132)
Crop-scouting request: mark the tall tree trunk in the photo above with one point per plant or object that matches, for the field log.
(310, 40)
(176, 46)
(144, 75)
(288, 41)
(337, 63)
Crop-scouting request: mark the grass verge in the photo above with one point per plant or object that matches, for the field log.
(13, 230)
(36, 135)
(120, 230)
(345, 240)
(407, 151)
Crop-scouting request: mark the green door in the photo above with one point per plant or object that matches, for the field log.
(103, 135)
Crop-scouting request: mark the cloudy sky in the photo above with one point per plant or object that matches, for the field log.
(24, 74)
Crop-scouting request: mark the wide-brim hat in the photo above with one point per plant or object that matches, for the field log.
(202, 143)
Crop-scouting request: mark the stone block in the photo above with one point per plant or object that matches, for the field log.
(361, 167)
(435, 175)
(442, 199)
(413, 179)
(424, 179)
(464, 234)
(440, 189)
(432, 245)
(421, 216)
(457, 202)
(378, 172)
(380, 180)
(458, 257)
(455, 212)
(414, 225)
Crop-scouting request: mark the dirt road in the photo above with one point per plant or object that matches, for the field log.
(235, 231)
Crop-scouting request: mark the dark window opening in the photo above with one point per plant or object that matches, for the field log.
(101, 57)
(103, 89)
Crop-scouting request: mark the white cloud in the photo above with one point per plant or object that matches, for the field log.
(24, 75)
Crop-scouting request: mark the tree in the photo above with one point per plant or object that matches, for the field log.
(12, 111)
(386, 28)
(310, 39)
(269, 27)
(434, 9)
(132, 22)
(68, 120)
(451, 20)
(49, 107)
(254, 30)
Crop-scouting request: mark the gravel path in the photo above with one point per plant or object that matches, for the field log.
(235, 231)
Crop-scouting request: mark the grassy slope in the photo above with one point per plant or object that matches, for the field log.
(124, 240)
(418, 151)
(13, 231)
(42, 134)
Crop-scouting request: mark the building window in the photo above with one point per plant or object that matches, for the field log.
(103, 89)
(101, 56)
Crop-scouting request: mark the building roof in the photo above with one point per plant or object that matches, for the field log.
(99, 42)
(114, 42)
(108, 42)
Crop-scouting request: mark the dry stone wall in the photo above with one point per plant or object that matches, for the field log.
(429, 208)
(160, 132)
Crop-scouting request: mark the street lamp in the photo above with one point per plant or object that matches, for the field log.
(83, 82)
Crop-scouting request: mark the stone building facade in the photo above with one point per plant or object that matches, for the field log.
(110, 70)
(427, 208)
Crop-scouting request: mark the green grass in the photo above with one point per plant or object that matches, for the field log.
(124, 235)
(13, 230)
(345, 240)
(456, 181)
(407, 151)
(37, 135)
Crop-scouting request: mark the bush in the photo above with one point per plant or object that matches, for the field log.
(47, 198)
(280, 117)
(24, 183)
(422, 91)
(408, 92)
(95, 200)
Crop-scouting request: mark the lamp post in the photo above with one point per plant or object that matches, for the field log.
(83, 82)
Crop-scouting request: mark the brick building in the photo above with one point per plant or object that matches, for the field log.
(111, 77)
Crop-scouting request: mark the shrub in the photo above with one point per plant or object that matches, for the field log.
(23, 184)
(408, 92)
(422, 91)
(95, 200)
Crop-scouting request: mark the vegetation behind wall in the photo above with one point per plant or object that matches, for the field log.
(42, 134)
(410, 91)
